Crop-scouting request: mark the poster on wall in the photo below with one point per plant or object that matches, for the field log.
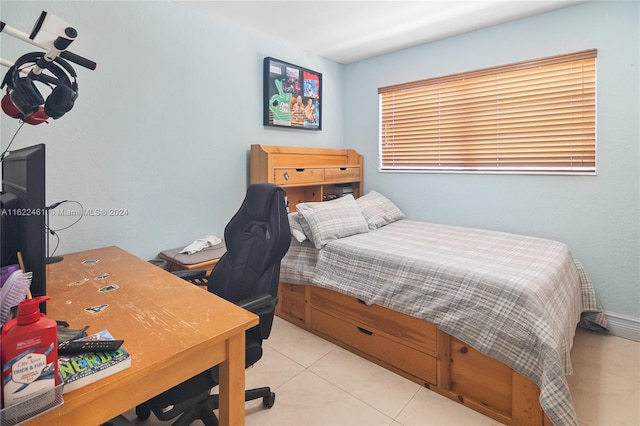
(292, 96)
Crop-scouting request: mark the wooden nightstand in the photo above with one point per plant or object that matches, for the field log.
(205, 259)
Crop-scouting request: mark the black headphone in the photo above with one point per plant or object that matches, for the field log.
(26, 97)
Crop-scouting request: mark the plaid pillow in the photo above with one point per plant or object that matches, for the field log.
(378, 210)
(331, 220)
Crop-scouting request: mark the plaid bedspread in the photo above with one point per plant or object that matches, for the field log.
(514, 298)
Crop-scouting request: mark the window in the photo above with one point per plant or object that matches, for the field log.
(529, 117)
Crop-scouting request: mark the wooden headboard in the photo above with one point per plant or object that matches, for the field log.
(307, 174)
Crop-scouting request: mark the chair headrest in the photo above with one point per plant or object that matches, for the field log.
(258, 199)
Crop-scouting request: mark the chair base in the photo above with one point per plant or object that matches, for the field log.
(268, 397)
(203, 409)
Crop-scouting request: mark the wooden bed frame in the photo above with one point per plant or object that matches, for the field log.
(411, 347)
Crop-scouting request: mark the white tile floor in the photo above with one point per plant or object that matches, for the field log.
(319, 383)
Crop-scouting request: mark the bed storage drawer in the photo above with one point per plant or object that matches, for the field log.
(483, 379)
(341, 174)
(295, 176)
(291, 302)
(371, 342)
(396, 326)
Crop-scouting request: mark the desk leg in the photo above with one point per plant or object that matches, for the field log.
(232, 405)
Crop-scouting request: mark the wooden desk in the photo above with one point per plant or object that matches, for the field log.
(172, 329)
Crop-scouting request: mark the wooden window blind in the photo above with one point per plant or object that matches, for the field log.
(534, 117)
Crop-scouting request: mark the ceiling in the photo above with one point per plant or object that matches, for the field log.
(349, 31)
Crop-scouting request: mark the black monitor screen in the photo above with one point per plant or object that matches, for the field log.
(23, 213)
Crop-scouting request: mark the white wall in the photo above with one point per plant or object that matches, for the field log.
(597, 216)
(163, 126)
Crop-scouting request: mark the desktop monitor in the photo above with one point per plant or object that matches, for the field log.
(23, 213)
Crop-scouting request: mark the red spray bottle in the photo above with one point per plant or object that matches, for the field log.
(29, 354)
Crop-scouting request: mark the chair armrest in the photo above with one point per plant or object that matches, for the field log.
(194, 276)
(259, 304)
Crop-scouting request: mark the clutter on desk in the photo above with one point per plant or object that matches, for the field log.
(65, 333)
(81, 369)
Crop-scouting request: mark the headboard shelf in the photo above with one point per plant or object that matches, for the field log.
(306, 174)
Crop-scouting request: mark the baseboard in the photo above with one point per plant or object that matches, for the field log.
(623, 326)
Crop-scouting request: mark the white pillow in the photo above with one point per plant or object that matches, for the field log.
(378, 210)
(296, 227)
(331, 220)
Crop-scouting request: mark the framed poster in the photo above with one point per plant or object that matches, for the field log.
(292, 96)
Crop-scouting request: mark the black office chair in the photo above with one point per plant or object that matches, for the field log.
(257, 238)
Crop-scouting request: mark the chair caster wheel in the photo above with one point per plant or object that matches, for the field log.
(143, 412)
(268, 401)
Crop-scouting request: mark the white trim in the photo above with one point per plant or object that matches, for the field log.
(623, 326)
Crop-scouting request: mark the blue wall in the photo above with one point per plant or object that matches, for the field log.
(163, 127)
(597, 216)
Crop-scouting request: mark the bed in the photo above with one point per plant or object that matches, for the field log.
(496, 312)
